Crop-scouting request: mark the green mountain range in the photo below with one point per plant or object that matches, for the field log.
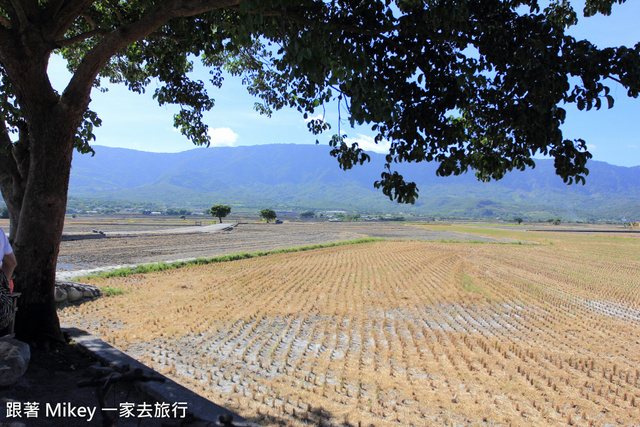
(306, 177)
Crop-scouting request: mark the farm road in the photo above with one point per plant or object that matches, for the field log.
(182, 230)
(123, 247)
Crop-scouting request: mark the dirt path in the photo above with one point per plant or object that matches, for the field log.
(181, 230)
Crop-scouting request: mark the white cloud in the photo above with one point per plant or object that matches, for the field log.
(367, 143)
(316, 117)
(222, 137)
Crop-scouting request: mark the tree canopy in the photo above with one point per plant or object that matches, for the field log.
(268, 214)
(220, 211)
(469, 84)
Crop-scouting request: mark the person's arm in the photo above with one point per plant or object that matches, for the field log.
(9, 264)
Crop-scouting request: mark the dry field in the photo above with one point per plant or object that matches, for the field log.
(137, 248)
(397, 332)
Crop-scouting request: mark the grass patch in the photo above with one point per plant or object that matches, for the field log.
(519, 242)
(468, 285)
(475, 286)
(110, 291)
(163, 266)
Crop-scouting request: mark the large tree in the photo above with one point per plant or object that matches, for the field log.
(220, 211)
(469, 84)
(268, 214)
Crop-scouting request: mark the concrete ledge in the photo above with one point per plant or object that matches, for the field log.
(82, 236)
(169, 391)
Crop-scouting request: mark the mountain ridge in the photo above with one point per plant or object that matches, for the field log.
(295, 177)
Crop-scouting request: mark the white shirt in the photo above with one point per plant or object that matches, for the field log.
(5, 247)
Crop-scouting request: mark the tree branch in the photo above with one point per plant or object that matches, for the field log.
(19, 7)
(8, 163)
(82, 81)
(100, 32)
(14, 168)
(116, 12)
(65, 15)
(54, 7)
(21, 151)
(338, 25)
(614, 79)
(81, 37)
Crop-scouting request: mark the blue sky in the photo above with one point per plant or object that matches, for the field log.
(136, 121)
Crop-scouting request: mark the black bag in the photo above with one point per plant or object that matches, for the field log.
(6, 302)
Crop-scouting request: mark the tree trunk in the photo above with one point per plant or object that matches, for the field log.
(35, 177)
(40, 224)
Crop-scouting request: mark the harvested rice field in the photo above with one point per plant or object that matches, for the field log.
(397, 332)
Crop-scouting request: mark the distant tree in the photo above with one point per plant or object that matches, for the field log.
(518, 220)
(182, 211)
(348, 217)
(308, 214)
(391, 218)
(268, 214)
(556, 221)
(220, 211)
(4, 213)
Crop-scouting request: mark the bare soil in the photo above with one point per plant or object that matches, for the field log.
(82, 251)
